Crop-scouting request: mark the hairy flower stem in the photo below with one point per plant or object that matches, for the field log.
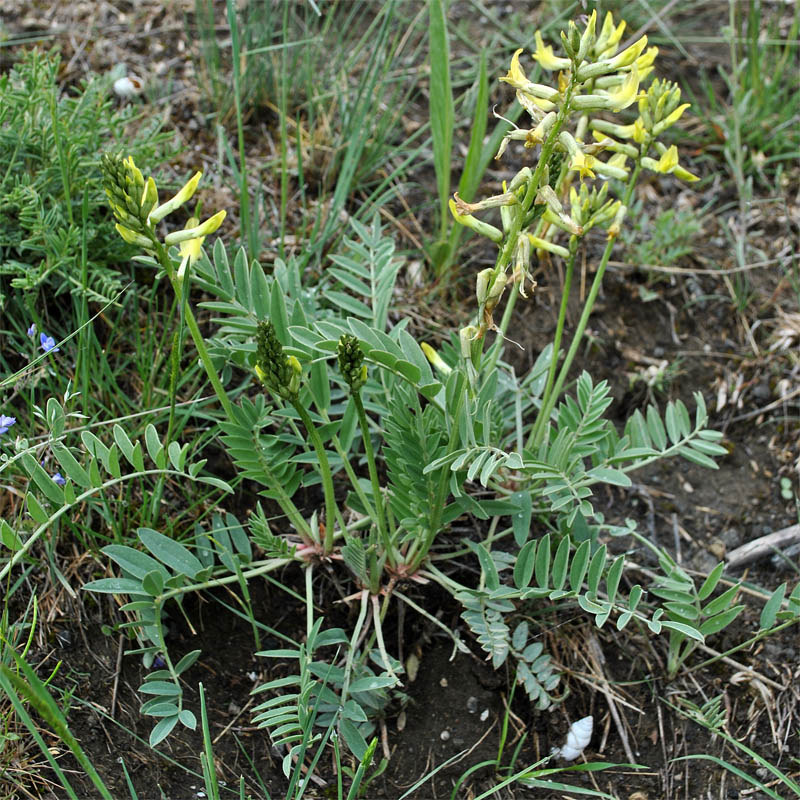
(324, 471)
(380, 515)
(549, 402)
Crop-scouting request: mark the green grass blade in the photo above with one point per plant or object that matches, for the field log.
(441, 106)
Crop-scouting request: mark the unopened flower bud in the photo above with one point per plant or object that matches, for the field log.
(435, 359)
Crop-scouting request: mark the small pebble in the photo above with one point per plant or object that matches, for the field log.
(472, 704)
(444, 735)
(484, 715)
(443, 683)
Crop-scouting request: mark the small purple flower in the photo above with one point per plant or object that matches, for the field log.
(6, 423)
(59, 479)
(48, 343)
(159, 662)
(32, 330)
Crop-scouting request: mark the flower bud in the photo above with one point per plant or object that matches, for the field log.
(435, 359)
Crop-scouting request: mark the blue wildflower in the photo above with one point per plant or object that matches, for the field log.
(59, 479)
(48, 343)
(32, 330)
(6, 423)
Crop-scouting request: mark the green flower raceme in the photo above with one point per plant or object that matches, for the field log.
(351, 362)
(278, 372)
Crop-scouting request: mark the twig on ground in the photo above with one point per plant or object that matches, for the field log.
(764, 545)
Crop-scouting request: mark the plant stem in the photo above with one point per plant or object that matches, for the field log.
(541, 421)
(165, 261)
(324, 471)
(380, 516)
(577, 337)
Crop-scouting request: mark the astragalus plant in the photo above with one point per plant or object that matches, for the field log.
(392, 441)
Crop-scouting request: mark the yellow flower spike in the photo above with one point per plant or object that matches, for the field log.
(545, 56)
(516, 76)
(208, 227)
(626, 94)
(178, 200)
(435, 359)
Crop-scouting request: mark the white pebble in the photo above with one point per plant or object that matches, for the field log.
(444, 735)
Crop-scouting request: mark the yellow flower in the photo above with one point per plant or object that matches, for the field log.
(623, 96)
(196, 231)
(177, 201)
(583, 164)
(545, 56)
(516, 77)
(670, 120)
(668, 164)
(192, 248)
(609, 36)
